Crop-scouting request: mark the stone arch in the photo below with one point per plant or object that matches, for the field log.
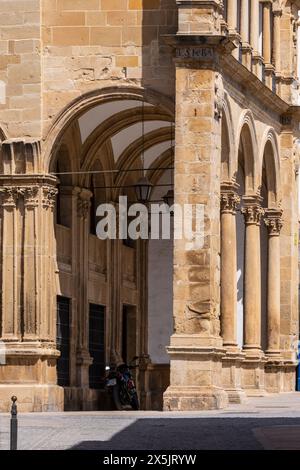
(247, 151)
(91, 99)
(270, 161)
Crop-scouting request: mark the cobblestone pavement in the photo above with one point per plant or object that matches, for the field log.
(271, 422)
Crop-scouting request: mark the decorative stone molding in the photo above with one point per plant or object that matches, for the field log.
(229, 202)
(31, 196)
(252, 211)
(83, 203)
(9, 196)
(49, 197)
(273, 221)
(20, 156)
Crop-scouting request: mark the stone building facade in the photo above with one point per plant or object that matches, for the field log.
(202, 94)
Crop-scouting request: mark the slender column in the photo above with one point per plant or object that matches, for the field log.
(267, 32)
(245, 21)
(229, 201)
(232, 15)
(276, 40)
(252, 285)
(31, 227)
(254, 26)
(10, 264)
(83, 356)
(274, 223)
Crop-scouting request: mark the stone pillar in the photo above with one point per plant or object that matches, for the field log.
(267, 44)
(254, 38)
(253, 366)
(196, 346)
(274, 224)
(254, 25)
(244, 32)
(28, 303)
(231, 370)
(274, 366)
(83, 356)
(229, 201)
(277, 12)
(252, 290)
(267, 32)
(232, 14)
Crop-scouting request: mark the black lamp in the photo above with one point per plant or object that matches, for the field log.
(169, 198)
(143, 189)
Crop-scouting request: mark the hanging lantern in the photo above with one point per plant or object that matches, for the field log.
(143, 189)
(169, 198)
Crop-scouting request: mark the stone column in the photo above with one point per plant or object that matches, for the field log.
(252, 285)
(229, 201)
(83, 356)
(253, 365)
(254, 25)
(274, 224)
(231, 370)
(196, 346)
(257, 61)
(267, 45)
(244, 32)
(267, 32)
(232, 15)
(276, 39)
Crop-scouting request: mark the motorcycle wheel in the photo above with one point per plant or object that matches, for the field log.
(135, 402)
(117, 399)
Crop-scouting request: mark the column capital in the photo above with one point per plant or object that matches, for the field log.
(252, 210)
(31, 196)
(9, 195)
(83, 202)
(273, 221)
(229, 201)
(49, 197)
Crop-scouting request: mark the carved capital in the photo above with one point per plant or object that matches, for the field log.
(273, 221)
(229, 202)
(83, 203)
(9, 195)
(252, 212)
(49, 197)
(31, 196)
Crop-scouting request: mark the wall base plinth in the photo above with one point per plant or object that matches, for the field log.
(231, 375)
(196, 374)
(32, 397)
(253, 373)
(194, 398)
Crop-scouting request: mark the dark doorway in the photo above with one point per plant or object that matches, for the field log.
(129, 333)
(63, 341)
(96, 345)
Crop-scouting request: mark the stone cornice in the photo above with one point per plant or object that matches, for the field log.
(215, 50)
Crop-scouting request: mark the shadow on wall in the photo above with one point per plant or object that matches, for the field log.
(203, 434)
(160, 17)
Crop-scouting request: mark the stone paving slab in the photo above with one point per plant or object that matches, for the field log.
(271, 422)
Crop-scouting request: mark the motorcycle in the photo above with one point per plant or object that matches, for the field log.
(119, 382)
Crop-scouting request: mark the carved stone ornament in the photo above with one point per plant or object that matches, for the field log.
(229, 202)
(83, 207)
(273, 221)
(30, 195)
(252, 214)
(9, 196)
(49, 197)
(219, 96)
